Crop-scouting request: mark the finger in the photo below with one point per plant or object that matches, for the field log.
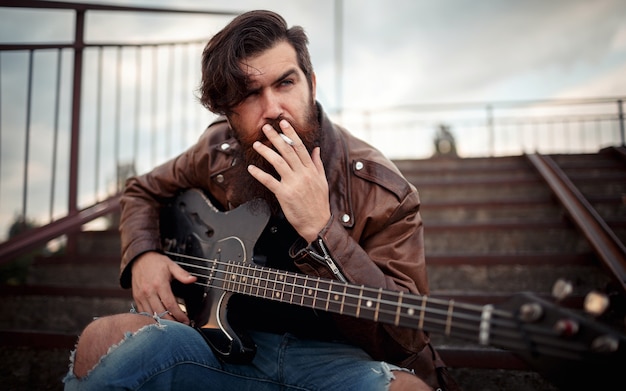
(298, 146)
(283, 144)
(171, 309)
(316, 157)
(264, 178)
(181, 274)
(283, 165)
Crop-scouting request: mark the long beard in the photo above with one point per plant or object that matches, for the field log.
(247, 187)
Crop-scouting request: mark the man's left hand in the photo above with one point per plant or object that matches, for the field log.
(302, 190)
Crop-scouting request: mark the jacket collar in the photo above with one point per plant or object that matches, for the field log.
(334, 153)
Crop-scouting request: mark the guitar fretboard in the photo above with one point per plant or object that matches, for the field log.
(402, 309)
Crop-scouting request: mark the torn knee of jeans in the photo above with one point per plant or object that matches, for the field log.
(154, 315)
(388, 371)
(127, 335)
(385, 370)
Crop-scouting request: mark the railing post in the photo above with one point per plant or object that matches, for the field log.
(76, 97)
(620, 111)
(79, 44)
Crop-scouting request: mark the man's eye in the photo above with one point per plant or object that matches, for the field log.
(286, 82)
(251, 94)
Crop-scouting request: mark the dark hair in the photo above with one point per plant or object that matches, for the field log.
(224, 84)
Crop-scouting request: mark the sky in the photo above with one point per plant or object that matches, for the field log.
(422, 51)
(394, 53)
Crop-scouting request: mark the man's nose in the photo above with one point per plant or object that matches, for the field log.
(272, 105)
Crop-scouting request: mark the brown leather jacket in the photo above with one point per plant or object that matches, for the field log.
(375, 235)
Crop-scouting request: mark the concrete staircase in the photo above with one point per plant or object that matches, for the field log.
(492, 228)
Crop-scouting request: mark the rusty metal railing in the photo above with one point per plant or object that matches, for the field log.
(609, 248)
(504, 128)
(83, 58)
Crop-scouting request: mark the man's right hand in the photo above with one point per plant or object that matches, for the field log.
(152, 274)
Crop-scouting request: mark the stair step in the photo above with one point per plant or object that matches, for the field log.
(520, 210)
(99, 243)
(514, 278)
(473, 191)
(67, 314)
(25, 368)
(493, 164)
(502, 239)
(96, 275)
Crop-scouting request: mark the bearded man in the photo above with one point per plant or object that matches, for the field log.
(338, 209)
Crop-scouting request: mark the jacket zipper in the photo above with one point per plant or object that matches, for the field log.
(328, 260)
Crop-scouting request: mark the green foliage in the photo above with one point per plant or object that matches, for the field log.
(15, 271)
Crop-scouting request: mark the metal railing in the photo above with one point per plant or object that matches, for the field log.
(86, 115)
(494, 128)
(78, 117)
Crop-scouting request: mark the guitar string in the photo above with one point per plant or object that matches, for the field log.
(504, 336)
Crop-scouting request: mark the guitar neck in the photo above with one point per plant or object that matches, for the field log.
(402, 309)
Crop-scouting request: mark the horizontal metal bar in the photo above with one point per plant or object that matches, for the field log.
(106, 7)
(609, 248)
(40, 236)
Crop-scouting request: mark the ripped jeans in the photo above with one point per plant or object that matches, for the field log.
(172, 356)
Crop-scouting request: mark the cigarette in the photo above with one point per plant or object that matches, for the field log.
(287, 139)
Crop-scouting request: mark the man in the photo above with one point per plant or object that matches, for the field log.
(339, 209)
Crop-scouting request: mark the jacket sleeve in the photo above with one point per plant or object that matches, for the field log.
(384, 249)
(143, 195)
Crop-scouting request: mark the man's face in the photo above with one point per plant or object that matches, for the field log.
(277, 89)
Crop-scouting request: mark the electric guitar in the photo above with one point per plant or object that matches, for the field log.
(568, 348)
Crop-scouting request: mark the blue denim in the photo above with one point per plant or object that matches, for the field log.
(171, 356)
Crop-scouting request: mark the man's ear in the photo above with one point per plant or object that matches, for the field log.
(313, 85)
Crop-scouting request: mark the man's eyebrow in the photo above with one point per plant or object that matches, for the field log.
(252, 87)
(285, 75)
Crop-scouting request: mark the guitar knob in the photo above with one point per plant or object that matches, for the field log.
(605, 344)
(562, 289)
(566, 327)
(530, 312)
(596, 303)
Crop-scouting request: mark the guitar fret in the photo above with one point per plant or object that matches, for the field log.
(266, 280)
(226, 279)
(334, 302)
(237, 278)
(358, 304)
(449, 317)
(280, 287)
(315, 290)
(252, 281)
(343, 299)
(289, 282)
(423, 309)
(398, 309)
(376, 312)
(327, 296)
(273, 291)
(305, 290)
(387, 306)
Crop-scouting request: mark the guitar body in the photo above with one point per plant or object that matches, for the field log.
(211, 240)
